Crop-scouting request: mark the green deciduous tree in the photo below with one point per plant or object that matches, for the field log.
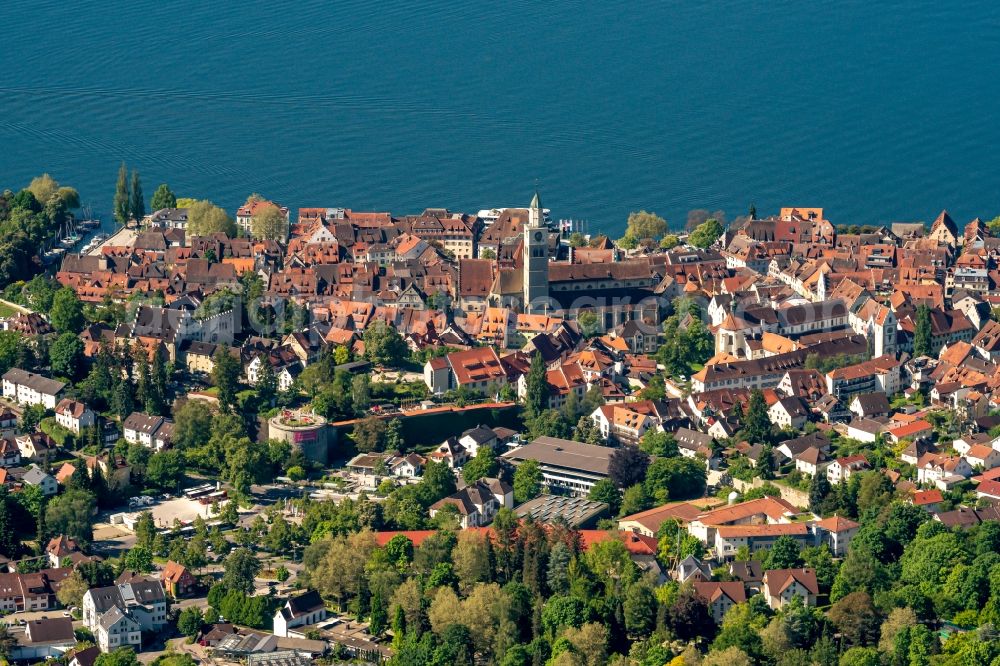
(269, 223)
(43, 187)
(123, 656)
(241, 568)
(605, 491)
(384, 345)
(71, 513)
(163, 197)
(640, 610)
(67, 311)
(785, 554)
(642, 225)
(10, 544)
(72, 589)
(190, 621)
(706, 233)
(192, 424)
(369, 434)
(527, 481)
(483, 464)
(205, 218)
(66, 355)
(165, 470)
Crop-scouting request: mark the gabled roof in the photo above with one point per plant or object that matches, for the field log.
(712, 591)
(302, 605)
(925, 497)
(35, 382)
(837, 524)
(774, 508)
(651, 519)
(778, 580)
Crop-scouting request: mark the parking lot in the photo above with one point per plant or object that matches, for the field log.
(182, 509)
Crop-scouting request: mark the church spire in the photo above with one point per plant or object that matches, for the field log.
(535, 211)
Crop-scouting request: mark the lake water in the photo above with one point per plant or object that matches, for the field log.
(877, 111)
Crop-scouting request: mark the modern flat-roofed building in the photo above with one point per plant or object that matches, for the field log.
(567, 466)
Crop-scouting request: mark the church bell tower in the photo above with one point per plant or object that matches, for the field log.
(536, 260)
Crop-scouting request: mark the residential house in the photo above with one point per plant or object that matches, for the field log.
(915, 430)
(85, 657)
(117, 628)
(882, 373)
(199, 357)
(30, 591)
(981, 456)
(300, 611)
(27, 388)
(42, 480)
(792, 447)
(36, 446)
(749, 572)
(840, 469)
(118, 614)
(692, 443)
(811, 461)
(60, 547)
(10, 453)
(153, 432)
(621, 423)
(766, 510)
(730, 538)
(720, 597)
(915, 450)
(450, 452)
(789, 412)
(478, 437)
(942, 471)
(837, 532)
(44, 638)
(177, 580)
(477, 502)
(780, 586)
(693, 569)
(989, 490)
(476, 369)
(867, 430)
(641, 339)
(74, 415)
(408, 467)
(114, 467)
(246, 212)
(928, 500)
(867, 405)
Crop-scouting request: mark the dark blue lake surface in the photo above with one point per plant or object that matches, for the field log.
(876, 111)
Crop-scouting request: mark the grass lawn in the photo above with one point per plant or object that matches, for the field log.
(6, 310)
